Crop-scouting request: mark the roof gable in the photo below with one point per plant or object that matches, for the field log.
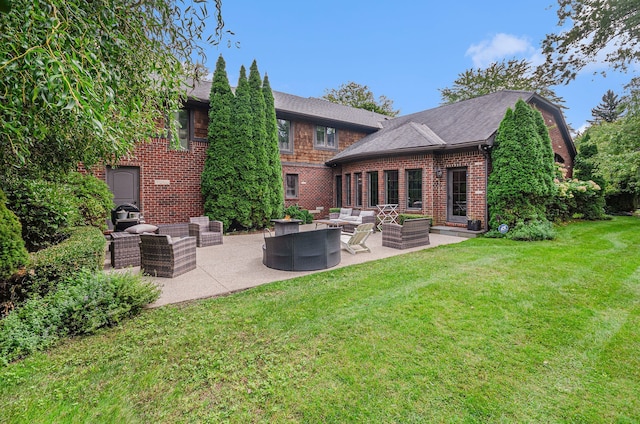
(462, 124)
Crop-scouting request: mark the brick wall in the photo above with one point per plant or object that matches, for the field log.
(315, 191)
(559, 146)
(434, 190)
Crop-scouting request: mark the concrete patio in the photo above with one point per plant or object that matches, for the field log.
(237, 265)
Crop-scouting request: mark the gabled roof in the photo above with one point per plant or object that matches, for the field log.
(309, 108)
(463, 124)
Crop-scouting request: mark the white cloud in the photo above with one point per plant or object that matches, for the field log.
(503, 46)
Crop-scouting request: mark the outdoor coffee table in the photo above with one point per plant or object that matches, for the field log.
(331, 222)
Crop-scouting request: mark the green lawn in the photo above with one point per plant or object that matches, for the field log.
(482, 331)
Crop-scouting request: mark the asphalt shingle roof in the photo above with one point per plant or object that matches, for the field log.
(307, 107)
(460, 124)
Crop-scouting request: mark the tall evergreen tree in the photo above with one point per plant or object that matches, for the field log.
(520, 183)
(608, 110)
(274, 174)
(247, 181)
(219, 173)
(261, 206)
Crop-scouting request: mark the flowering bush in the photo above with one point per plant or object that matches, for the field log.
(577, 199)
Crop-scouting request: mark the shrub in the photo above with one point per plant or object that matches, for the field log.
(404, 216)
(45, 209)
(577, 199)
(532, 231)
(93, 198)
(294, 211)
(83, 249)
(13, 253)
(82, 304)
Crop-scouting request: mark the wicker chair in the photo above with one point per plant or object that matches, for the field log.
(162, 256)
(413, 233)
(207, 233)
(125, 249)
(174, 230)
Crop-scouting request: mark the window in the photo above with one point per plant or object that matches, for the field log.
(285, 142)
(358, 181)
(391, 187)
(181, 121)
(291, 186)
(414, 188)
(372, 188)
(338, 191)
(326, 137)
(347, 180)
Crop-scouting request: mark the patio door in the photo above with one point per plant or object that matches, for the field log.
(457, 195)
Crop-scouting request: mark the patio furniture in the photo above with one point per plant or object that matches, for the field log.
(302, 251)
(124, 216)
(355, 242)
(387, 213)
(412, 233)
(164, 256)
(124, 249)
(174, 230)
(349, 218)
(286, 226)
(207, 233)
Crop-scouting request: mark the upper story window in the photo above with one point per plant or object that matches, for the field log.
(326, 137)
(285, 136)
(181, 121)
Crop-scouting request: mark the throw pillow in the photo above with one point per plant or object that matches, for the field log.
(141, 228)
(367, 213)
(345, 212)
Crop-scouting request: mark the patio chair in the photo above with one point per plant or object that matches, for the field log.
(162, 256)
(355, 242)
(125, 249)
(207, 233)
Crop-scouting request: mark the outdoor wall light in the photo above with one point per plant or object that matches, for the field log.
(438, 172)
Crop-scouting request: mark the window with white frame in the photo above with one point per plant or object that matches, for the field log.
(285, 136)
(326, 137)
(291, 186)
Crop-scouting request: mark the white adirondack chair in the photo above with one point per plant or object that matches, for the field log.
(355, 242)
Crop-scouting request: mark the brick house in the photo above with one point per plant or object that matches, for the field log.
(433, 162)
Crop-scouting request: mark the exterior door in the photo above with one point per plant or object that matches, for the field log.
(457, 195)
(124, 182)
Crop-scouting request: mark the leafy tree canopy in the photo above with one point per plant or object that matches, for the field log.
(361, 97)
(596, 27)
(83, 81)
(505, 75)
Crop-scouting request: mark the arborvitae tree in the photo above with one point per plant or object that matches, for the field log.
(608, 110)
(219, 174)
(547, 157)
(247, 180)
(13, 253)
(261, 206)
(274, 171)
(519, 184)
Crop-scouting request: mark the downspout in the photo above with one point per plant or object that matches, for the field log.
(486, 149)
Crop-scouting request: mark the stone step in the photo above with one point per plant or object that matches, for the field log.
(455, 231)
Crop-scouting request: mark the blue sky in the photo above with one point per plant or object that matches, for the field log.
(405, 50)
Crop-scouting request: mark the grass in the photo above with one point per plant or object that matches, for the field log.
(482, 331)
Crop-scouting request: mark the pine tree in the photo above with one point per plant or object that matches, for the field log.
(247, 181)
(608, 110)
(274, 172)
(262, 208)
(520, 183)
(219, 173)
